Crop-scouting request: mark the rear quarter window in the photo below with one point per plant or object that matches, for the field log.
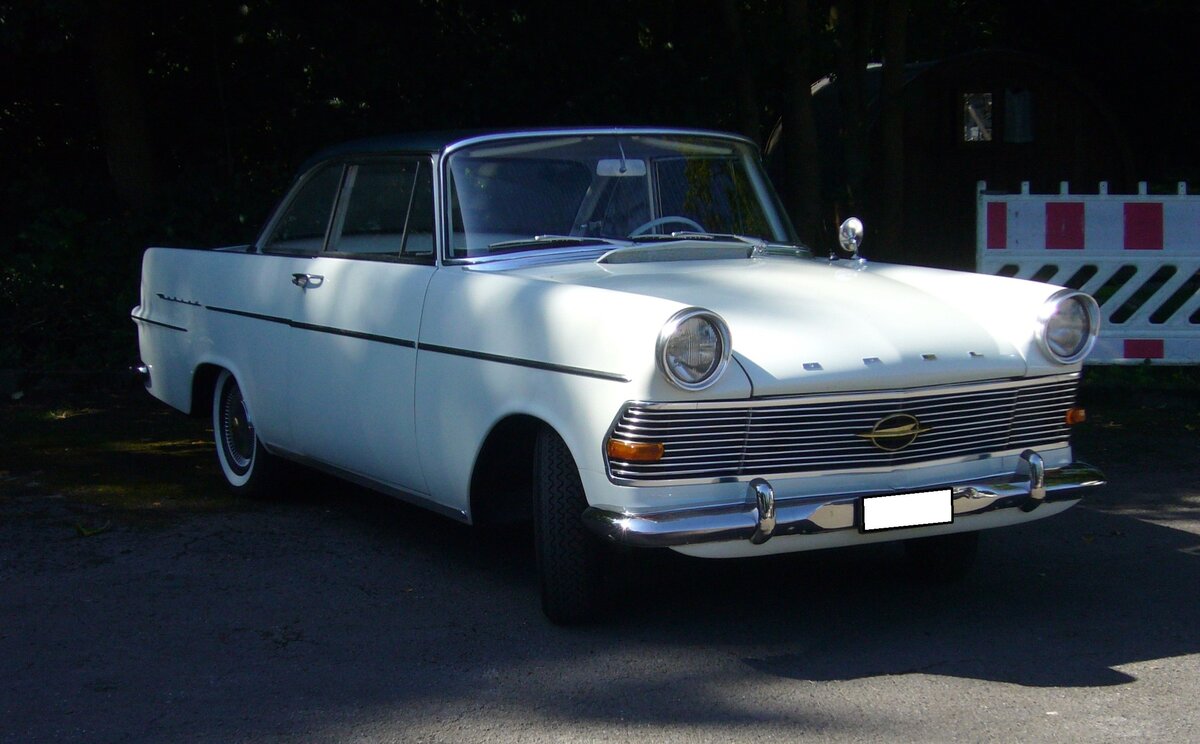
(305, 219)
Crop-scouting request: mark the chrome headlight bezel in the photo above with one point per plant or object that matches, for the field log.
(721, 354)
(1052, 311)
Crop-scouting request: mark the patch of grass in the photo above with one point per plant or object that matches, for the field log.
(66, 413)
(1132, 378)
(1140, 419)
(132, 457)
(1158, 404)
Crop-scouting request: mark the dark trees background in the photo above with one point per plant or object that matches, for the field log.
(124, 124)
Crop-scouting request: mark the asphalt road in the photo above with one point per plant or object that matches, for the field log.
(343, 616)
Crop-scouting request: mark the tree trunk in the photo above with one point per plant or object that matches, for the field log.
(121, 105)
(749, 120)
(895, 28)
(800, 152)
(853, 33)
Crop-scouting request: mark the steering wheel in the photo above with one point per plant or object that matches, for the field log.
(671, 218)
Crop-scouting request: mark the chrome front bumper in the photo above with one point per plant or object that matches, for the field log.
(763, 517)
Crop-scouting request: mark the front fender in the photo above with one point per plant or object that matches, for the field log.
(494, 345)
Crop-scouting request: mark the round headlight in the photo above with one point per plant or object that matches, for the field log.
(1070, 321)
(693, 348)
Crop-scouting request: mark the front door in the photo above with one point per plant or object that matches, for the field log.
(353, 351)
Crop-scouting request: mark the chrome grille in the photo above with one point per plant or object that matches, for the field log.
(820, 433)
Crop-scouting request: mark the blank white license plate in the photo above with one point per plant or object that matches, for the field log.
(906, 510)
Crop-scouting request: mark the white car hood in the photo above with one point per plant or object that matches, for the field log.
(801, 325)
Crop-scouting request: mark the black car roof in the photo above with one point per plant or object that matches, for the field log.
(436, 141)
(401, 142)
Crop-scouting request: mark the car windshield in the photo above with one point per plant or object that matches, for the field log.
(533, 193)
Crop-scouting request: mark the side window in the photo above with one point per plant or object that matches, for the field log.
(386, 209)
(302, 227)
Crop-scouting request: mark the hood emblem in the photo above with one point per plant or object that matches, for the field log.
(894, 433)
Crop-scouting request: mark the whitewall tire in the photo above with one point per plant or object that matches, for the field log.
(248, 469)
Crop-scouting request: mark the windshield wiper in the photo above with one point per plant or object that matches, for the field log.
(759, 245)
(666, 237)
(553, 240)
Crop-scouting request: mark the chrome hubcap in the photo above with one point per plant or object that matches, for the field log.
(237, 432)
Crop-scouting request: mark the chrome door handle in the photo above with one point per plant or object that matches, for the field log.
(308, 281)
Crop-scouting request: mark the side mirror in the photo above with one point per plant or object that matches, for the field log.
(850, 235)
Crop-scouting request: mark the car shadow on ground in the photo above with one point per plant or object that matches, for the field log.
(1060, 603)
(1063, 602)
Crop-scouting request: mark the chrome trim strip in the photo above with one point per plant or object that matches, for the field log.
(317, 328)
(355, 334)
(829, 456)
(530, 259)
(140, 319)
(827, 513)
(530, 363)
(516, 361)
(864, 396)
(902, 467)
(162, 296)
(244, 314)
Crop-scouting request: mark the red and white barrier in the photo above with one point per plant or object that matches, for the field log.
(1137, 254)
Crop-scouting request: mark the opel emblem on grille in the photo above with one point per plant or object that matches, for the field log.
(894, 433)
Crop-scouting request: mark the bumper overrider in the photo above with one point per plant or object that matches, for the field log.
(763, 516)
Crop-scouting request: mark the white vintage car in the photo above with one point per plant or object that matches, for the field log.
(614, 333)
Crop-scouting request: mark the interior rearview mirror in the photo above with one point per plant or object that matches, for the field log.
(620, 167)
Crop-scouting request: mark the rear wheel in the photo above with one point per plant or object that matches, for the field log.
(249, 470)
(943, 558)
(569, 556)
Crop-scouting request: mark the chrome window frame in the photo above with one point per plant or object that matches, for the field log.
(289, 198)
(342, 205)
(336, 213)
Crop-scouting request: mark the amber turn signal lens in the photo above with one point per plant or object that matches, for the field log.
(635, 451)
(1076, 416)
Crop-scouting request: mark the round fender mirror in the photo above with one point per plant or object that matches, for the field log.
(850, 235)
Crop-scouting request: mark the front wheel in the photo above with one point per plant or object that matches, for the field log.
(249, 470)
(569, 557)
